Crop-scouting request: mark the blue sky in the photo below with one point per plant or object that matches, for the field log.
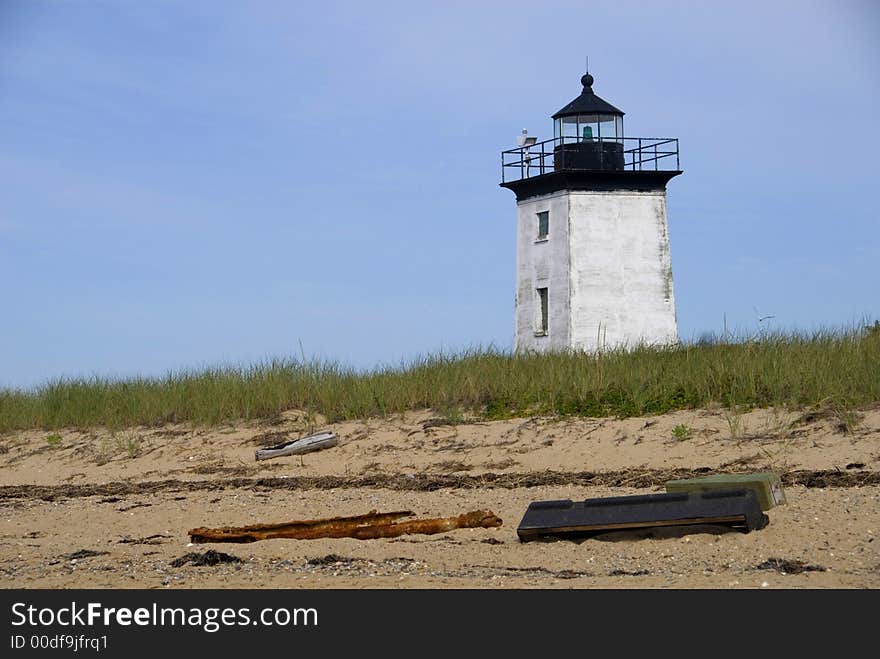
(200, 183)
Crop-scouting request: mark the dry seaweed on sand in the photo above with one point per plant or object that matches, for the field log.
(208, 558)
(638, 478)
(789, 566)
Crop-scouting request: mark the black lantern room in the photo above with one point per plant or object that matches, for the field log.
(590, 133)
(589, 151)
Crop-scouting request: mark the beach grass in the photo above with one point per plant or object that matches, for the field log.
(839, 368)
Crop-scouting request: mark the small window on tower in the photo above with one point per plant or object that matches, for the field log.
(543, 225)
(543, 328)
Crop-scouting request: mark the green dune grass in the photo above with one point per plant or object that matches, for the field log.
(794, 369)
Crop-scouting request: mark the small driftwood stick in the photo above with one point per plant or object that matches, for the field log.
(362, 527)
(299, 446)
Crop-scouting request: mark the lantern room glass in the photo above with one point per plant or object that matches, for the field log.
(589, 127)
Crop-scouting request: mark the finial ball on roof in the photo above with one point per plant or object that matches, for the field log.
(587, 80)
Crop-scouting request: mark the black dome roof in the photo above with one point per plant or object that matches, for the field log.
(587, 102)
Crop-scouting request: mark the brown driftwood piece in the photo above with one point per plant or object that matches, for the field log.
(362, 527)
(331, 527)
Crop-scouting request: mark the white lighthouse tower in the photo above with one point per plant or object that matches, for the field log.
(593, 268)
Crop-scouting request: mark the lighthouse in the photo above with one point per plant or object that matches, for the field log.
(593, 266)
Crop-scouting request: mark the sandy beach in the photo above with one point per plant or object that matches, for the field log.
(113, 508)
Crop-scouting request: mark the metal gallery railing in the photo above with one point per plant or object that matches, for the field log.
(570, 153)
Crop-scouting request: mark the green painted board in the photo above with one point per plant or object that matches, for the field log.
(767, 486)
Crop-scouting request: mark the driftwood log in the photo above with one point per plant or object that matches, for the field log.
(299, 446)
(363, 527)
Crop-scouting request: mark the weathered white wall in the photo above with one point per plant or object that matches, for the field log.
(621, 270)
(607, 266)
(542, 264)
